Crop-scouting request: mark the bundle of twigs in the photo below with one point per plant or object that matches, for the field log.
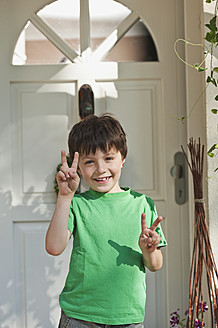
(202, 256)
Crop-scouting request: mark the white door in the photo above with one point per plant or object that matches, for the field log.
(144, 96)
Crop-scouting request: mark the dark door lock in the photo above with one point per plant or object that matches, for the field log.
(179, 174)
(86, 101)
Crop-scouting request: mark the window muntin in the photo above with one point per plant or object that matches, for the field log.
(65, 17)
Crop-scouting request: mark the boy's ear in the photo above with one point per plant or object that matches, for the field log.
(122, 164)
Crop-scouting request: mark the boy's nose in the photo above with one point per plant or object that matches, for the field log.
(101, 168)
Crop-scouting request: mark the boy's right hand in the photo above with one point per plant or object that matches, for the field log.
(67, 178)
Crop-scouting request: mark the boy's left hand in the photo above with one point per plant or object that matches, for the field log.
(149, 238)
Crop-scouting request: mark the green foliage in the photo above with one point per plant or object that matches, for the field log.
(211, 80)
(212, 152)
(199, 68)
(212, 38)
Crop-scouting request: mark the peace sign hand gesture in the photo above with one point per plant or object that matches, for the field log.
(67, 178)
(149, 238)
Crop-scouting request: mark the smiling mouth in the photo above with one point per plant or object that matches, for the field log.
(105, 179)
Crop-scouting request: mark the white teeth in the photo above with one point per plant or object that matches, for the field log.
(102, 179)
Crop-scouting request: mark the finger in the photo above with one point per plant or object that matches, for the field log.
(63, 158)
(155, 237)
(143, 222)
(156, 223)
(154, 244)
(64, 168)
(75, 161)
(146, 241)
(61, 176)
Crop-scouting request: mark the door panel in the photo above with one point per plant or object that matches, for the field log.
(39, 277)
(42, 114)
(137, 105)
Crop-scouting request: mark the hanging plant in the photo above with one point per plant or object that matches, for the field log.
(211, 79)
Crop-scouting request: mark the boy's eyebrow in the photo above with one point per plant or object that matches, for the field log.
(86, 156)
(110, 152)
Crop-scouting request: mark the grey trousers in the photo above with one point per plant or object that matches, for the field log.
(67, 322)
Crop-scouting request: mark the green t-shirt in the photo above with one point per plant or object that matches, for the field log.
(106, 279)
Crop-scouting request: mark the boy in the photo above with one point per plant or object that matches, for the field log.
(112, 244)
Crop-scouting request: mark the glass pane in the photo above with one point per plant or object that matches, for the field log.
(63, 17)
(105, 16)
(137, 45)
(34, 48)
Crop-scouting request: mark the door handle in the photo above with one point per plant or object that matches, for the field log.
(179, 174)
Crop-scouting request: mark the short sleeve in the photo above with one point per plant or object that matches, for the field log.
(151, 216)
(71, 219)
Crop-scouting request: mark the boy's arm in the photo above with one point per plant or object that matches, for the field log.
(148, 242)
(58, 235)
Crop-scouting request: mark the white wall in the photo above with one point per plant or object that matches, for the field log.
(212, 138)
(11, 25)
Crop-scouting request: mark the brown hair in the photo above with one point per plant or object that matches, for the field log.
(103, 132)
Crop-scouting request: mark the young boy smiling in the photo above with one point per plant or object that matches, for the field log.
(112, 242)
(102, 170)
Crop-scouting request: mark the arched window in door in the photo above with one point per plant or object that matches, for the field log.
(84, 31)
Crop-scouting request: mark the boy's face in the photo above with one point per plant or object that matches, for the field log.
(101, 171)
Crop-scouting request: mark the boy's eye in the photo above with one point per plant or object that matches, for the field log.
(109, 158)
(88, 162)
